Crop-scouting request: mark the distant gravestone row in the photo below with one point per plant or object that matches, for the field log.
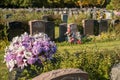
(90, 27)
(95, 12)
(63, 74)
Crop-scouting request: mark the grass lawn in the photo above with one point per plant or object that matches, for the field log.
(89, 46)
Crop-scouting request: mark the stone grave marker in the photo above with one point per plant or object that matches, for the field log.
(73, 27)
(103, 25)
(63, 74)
(94, 12)
(62, 31)
(60, 12)
(16, 28)
(108, 15)
(36, 26)
(115, 72)
(45, 18)
(96, 27)
(55, 12)
(70, 12)
(73, 36)
(64, 18)
(47, 27)
(88, 26)
(50, 29)
(91, 27)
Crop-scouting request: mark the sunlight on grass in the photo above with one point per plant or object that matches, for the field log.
(56, 32)
(90, 46)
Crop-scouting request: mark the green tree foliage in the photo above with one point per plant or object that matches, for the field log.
(114, 4)
(52, 3)
(88, 3)
(26, 3)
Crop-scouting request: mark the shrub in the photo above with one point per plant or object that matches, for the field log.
(97, 63)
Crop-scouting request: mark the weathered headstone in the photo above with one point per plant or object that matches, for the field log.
(47, 27)
(103, 25)
(91, 27)
(94, 13)
(108, 15)
(115, 72)
(70, 12)
(50, 29)
(55, 12)
(16, 28)
(60, 12)
(89, 14)
(63, 74)
(45, 18)
(62, 31)
(96, 27)
(36, 26)
(64, 18)
(73, 27)
(73, 36)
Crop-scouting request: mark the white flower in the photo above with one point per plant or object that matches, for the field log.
(15, 39)
(11, 64)
(27, 54)
(20, 49)
(24, 64)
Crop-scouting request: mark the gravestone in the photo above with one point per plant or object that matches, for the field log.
(70, 12)
(36, 26)
(60, 12)
(47, 27)
(63, 74)
(73, 27)
(103, 26)
(108, 15)
(96, 27)
(50, 29)
(73, 36)
(115, 72)
(16, 28)
(90, 27)
(62, 31)
(94, 11)
(45, 18)
(64, 18)
(55, 12)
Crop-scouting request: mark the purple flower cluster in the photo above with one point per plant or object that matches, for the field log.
(26, 50)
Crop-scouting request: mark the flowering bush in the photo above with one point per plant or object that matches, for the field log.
(27, 50)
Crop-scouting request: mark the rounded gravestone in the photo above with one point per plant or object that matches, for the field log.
(115, 72)
(63, 74)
